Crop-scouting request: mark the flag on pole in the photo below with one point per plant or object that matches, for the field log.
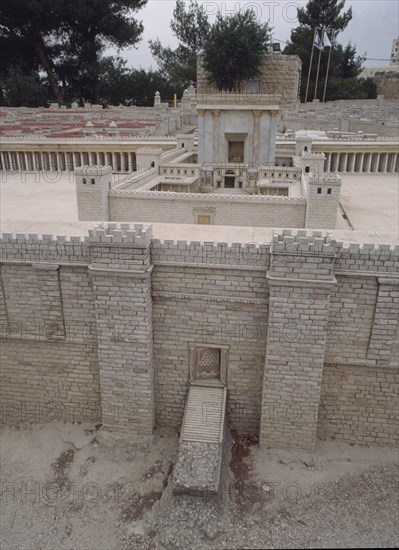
(317, 42)
(326, 41)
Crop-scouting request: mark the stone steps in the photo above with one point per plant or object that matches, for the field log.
(198, 467)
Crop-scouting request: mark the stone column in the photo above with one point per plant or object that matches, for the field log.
(368, 163)
(201, 151)
(393, 162)
(344, 162)
(130, 166)
(337, 161)
(329, 157)
(123, 305)
(114, 164)
(52, 161)
(256, 136)
(361, 162)
(300, 281)
(26, 161)
(216, 135)
(14, 162)
(379, 158)
(351, 162)
(385, 163)
(271, 153)
(374, 162)
(3, 165)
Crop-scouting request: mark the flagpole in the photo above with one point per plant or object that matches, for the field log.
(310, 66)
(318, 64)
(328, 68)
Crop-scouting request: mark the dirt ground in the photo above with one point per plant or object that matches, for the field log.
(71, 486)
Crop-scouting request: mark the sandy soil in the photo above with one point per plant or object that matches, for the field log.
(68, 486)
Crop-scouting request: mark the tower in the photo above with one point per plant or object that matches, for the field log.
(323, 190)
(92, 186)
(148, 157)
(395, 52)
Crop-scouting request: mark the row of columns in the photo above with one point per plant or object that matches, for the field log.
(65, 161)
(363, 163)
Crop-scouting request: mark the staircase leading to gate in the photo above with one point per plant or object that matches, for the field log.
(198, 468)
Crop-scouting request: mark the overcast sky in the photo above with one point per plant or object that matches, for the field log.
(374, 25)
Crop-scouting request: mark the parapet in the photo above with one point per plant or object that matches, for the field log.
(302, 242)
(330, 178)
(105, 233)
(121, 233)
(149, 151)
(93, 170)
(313, 156)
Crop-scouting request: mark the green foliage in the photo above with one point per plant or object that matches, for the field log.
(22, 88)
(325, 13)
(191, 27)
(119, 85)
(345, 64)
(66, 39)
(369, 87)
(234, 49)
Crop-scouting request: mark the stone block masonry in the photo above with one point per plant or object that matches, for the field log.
(123, 307)
(300, 280)
(102, 328)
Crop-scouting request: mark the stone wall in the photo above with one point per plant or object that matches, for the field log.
(210, 294)
(359, 404)
(101, 329)
(49, 348)
(387, 84)
(173, 207)
(279, 74)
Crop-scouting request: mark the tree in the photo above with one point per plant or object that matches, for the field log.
(325, 13)
(345, 64)
(120, 85)
(26, 30)
(67, 39)
(21, 88)
(191, 27)
(234, 49)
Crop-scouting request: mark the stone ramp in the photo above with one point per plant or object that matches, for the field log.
(198, 467)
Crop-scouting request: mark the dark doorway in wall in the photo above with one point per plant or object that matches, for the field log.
(236, 151)
(229, 182)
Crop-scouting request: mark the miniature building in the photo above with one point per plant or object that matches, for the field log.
(293, 335)
(235, 174)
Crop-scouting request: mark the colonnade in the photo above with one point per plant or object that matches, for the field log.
(65, 161)
(363, 163)
(350, 163)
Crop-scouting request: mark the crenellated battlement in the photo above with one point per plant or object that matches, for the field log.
(325, 177)
(303, 242)
(103, 242)
(124, 304)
